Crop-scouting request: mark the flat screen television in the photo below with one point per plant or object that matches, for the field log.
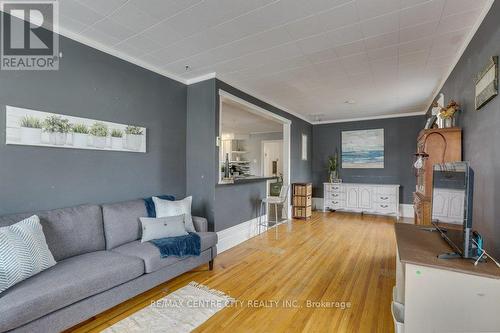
(452, 197)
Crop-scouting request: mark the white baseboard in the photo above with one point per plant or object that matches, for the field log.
(317, 203)
(237, 234)
(405, 210)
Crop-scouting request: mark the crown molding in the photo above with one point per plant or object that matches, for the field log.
(106, 49)
(400, 115)
(461, 52)
(201, 78)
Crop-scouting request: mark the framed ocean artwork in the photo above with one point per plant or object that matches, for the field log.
(363, 149)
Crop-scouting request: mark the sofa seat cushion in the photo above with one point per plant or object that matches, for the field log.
(68, 282)
(150, 254)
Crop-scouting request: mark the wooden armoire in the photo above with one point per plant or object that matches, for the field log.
(437, 146)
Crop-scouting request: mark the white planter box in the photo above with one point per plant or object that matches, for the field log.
(80, 140)
(31, 136)
(116, 143)
(99, 141)
(134, 142)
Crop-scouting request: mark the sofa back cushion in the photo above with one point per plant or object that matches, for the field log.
(68, 231)
(121, 222)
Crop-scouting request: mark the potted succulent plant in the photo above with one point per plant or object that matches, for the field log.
(133, 137)
(80, 135)
(58, 129)
(116, 139)
(31, 130)
(99, 132)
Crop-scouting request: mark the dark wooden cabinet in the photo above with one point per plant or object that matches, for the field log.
(440, 146)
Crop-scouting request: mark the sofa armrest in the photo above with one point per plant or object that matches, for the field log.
(200, 224)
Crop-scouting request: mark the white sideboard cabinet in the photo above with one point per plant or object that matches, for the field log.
(362, 198)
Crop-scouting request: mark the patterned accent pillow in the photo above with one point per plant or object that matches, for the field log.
(167, 208)
(23, 252)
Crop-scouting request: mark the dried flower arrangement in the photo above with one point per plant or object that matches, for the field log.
(450, 110)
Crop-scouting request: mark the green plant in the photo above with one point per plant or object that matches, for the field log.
(333, 166)
(116, 133)
(31, 122)
(80, 129)
(133, 130)
(99, 129)
(56, 124)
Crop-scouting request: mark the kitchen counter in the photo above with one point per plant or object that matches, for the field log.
(245, 180)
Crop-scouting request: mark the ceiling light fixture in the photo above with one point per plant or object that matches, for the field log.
(350, 101)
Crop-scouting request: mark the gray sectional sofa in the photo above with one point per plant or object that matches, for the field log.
(101, 262)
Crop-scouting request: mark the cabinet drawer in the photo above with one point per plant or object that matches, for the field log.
(384, 198)
(334, 188)
(385, 191)
(336, 204)
(336, 196)
(386, 208)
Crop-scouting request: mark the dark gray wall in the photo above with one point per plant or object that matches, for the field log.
(200, 148)
(236, 204)
(95, 85)
(481, 132)
(400, 140)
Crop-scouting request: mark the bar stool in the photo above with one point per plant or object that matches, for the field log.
(279, 200)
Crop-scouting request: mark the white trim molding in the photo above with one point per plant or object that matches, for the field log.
(400, 115)
(201, 78)
(461, 52)
(259, 111)
(406, 210)
(237, 234)
(106, 49)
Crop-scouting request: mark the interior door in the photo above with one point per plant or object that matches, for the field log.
(272, 153)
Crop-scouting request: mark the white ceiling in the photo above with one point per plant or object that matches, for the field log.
(308, 57)
(239, 119)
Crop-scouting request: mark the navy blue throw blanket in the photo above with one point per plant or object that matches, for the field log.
(182, 246)
(150, 205)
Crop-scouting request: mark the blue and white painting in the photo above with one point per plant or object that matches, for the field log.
(363, 149)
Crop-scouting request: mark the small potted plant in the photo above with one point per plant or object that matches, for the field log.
(80, 135)
(99, 132)
(58, 129)
(31, 130)
(134, 137)
(116, 139)
(333, 167)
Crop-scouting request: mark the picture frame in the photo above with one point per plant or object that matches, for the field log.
(487, 83)
(363, 149)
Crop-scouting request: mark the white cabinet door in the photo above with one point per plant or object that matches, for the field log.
(456, 210)
(440, 203)
(365, 197)
(352, 197)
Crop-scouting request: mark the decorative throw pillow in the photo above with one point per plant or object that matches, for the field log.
(165, 208)
(23, 252)
(162, 227)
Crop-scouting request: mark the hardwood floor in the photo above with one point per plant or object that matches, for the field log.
(333, 257)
